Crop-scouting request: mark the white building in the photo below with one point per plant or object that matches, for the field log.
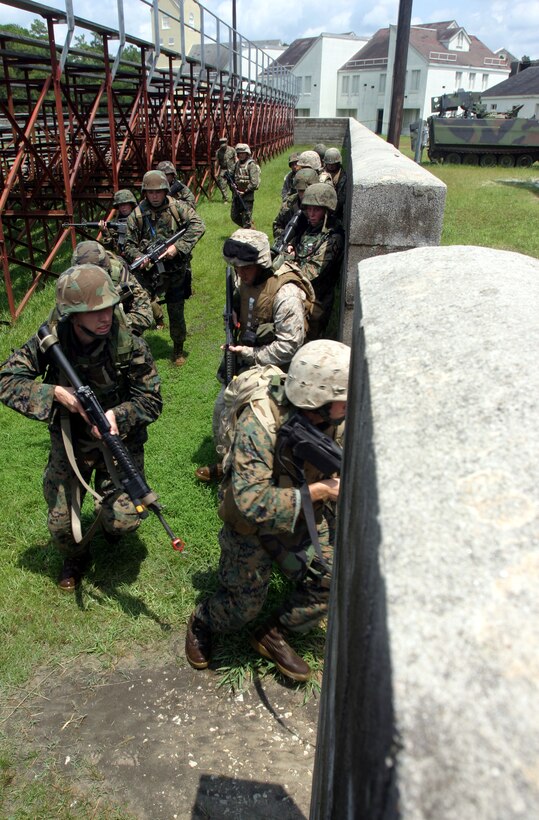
(315, 61)
(442, 57)
(522, 89)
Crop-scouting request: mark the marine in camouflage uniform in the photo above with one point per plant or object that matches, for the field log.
(113, 239)
(319, 252)
(262, 510)
(226, 161)
(291, 205)
(119, 368)
(158, 217)
(247, 181)
(272, 307)
(288, 183)
(176, 188)
(339, 178)
(134, 301)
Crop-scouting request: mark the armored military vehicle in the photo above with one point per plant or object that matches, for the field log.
(475, 138)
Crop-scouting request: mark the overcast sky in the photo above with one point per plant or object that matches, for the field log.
(511, 24)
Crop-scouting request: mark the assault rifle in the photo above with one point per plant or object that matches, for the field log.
(293, 227)
(308, 443)
(235, 191)
(155, 251)
(231, 328)
(133, 482)
(117, 226)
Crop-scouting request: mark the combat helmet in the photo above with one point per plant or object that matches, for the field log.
(243, 147)
(166, 167)
(122, 196)
(322, 194)
(309, 159)
(332, 156)
(320, 149)
(303, 178)
(293, 158)
(90, 252)
(318, 374)
(223, 140)
(154, 181)
(247, 247)
(84, 289)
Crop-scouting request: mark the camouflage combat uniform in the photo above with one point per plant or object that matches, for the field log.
(261, 508)
(340, 182)
(226, 160)
(247, 180)
(135, 301)
(121, 371)
(289, 207)
(113, 239)
(319, 253)
(183, 193)
(288, 185)
(146, 225)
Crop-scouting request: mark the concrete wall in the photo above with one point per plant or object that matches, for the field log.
(430, 700)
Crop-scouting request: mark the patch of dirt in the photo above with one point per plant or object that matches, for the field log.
(167, 743)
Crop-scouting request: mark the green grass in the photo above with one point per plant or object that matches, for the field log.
(139, 595)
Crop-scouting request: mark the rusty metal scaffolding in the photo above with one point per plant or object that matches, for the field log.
(76, 126)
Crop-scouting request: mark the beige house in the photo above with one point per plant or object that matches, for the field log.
(170, 36)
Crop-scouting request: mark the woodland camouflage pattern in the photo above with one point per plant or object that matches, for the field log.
(516, 138)
(263, 523)
(129, 384)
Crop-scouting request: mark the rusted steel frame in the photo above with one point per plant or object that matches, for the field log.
(129, 125)
(42, 271)
(145, 108)
(56, 79)
(110, 113)
(171, 112)
(160, 115)
(85, 121)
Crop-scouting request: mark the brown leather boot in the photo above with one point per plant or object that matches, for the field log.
(269, 642)
(72, 572)
(178, 356)
(198, 643)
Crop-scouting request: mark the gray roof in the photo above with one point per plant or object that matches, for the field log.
(525, 82)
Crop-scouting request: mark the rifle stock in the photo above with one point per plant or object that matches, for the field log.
(293, 227)
(133, 481)
(231, 328)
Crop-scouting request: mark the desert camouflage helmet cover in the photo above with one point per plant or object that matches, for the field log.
(309, 159)
(90, 252)
(242, 146)
(122, 196)
(303, 178)
(322, 194)
(223, 139)
(332, 156)
(84, 289)
(166, 167)
(247, 247)
(318, 374)
(155, 181)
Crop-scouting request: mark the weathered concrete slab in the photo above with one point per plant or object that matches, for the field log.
(430, 701)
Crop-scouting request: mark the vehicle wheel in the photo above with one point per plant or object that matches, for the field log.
(506, 160)
(524, 161)
(453, 158)
(487, 160)
(471, 159)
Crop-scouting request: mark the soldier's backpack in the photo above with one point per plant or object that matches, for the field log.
(262, 389)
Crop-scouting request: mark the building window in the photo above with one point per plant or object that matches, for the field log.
(355, 84)
(494, 106)
(300, 85)
(458, 80)
(303, 112)
(345, 83)
(191, 21)
(382, 84)
(471, 80)
(416, 75)
(165, 22)
(307, 84)
(460, 39)
(171, 41)
(484, 82)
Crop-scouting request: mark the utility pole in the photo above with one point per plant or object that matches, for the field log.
(234, 42)
(399, 72)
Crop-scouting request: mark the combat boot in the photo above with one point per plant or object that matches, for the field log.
(72, 572)
(178, 356)
(269, 642)
(198, 643)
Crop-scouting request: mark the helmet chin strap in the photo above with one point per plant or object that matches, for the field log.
(91, 333)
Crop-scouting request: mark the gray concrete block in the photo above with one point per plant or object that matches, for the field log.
(430, 702)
